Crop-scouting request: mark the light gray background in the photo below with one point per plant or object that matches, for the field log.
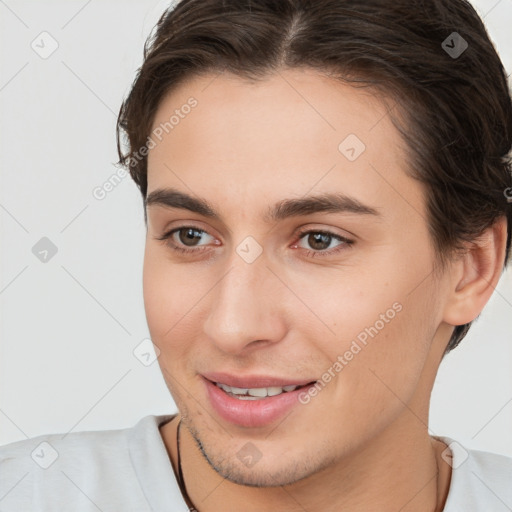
(69, 326)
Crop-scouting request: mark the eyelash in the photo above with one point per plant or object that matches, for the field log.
(167, 237)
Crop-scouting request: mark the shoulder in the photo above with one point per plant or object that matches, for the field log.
(481, 481)
(45, 451)
(74, 441)
(78, 467)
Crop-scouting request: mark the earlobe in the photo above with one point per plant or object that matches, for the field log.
(476, 274)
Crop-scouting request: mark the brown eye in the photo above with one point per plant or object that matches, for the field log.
(320, 242)
(188, 236)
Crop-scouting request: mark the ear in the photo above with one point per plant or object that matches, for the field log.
(476, 274)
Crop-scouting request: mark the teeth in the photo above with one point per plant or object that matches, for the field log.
(239, 391)
(261, 392)
(224, 387)
(255, 393)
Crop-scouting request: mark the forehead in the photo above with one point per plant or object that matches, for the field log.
(298, 104)
(295, 131)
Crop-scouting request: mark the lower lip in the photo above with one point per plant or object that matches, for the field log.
(252, 413)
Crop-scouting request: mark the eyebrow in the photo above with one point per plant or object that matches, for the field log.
(324, 203)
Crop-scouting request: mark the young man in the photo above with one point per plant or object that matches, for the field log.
(328, 206)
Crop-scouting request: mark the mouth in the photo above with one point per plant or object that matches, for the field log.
(253, 401)
(258, 393)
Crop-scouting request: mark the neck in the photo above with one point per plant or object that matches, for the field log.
(401, 469)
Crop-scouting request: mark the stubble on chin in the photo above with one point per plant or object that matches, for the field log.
(231, 468)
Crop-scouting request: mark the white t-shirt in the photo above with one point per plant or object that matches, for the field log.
(129, 470)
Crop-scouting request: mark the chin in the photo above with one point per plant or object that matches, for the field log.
(264, 472)
(261, 477)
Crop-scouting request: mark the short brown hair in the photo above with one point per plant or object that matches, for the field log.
(434, 59)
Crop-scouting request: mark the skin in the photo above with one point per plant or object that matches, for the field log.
(362, 443)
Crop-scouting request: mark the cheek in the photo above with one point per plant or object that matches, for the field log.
(386, 371)
(383, 324)
(165, 306)
(165, 296)
(176, 306)
(341, 305)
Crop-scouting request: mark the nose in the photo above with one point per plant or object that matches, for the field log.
(246, 307)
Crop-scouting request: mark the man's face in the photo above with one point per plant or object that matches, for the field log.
(346, 299)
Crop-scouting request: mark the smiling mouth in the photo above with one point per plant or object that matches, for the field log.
(258, 393)
(253, 401)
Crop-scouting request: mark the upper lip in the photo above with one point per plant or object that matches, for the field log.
(254, 381)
